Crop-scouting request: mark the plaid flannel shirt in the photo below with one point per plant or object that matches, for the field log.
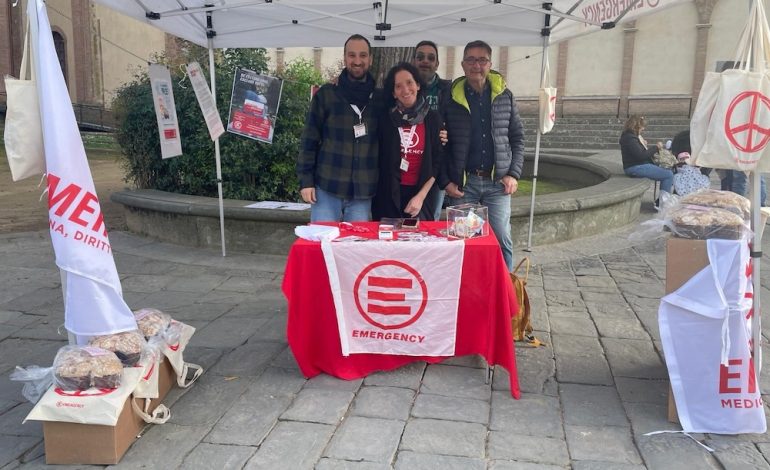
(331, 157)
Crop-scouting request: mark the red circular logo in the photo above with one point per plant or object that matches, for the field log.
(91, 392)
(748, 136)
(390, 294)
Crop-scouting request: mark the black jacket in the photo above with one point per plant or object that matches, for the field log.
(387, 202)
(633, 152)
(507, 132)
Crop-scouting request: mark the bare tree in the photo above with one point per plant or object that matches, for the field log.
(383, 58)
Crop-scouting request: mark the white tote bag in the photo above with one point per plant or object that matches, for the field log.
(547, 101)
(174, 353)
(23, 133)
(728, 125)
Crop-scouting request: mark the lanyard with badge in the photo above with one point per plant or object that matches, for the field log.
(406, 144)
(359, 130)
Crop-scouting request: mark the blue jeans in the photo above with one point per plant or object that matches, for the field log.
(653, 172)
(484, 191)
(330, 208)
(438, 202)
(739, 185)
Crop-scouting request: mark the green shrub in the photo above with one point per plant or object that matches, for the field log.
(251, 170)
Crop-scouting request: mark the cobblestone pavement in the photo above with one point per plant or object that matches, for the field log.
(588, 396)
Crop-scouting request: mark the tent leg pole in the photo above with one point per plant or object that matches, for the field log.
(756, 258)
(537, 145)
(534, 190)
(212, 72)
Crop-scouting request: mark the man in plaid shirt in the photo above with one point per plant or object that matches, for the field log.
(337, 164)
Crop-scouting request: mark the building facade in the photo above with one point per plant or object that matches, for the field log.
(99, 49)
(654, 65)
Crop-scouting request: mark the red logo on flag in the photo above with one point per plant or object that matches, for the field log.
(91, 392)
(552, 115)
(749, 131)
(390, 294)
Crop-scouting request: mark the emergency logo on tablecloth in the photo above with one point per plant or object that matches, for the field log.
(390, 294)
(396, 298)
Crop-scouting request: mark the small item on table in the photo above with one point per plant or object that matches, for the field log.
(410, 224)
(468, 223)
(385, 232)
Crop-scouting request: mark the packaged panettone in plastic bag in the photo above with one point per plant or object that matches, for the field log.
(703, 222)
(84, 367)
(700, 215)
(128, 346)
(175, 335)
(727, 200)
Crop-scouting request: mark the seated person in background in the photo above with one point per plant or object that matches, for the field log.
(410, 151)
(637, 157)
(681, 143)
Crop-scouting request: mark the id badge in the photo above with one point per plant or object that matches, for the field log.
(359, 130)
(404, 164)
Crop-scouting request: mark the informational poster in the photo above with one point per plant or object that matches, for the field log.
(205, 100)
(165, 111)
(254, 105)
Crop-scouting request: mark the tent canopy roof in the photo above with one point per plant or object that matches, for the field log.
(328, 23)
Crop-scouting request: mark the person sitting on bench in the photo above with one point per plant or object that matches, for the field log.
(637, 157)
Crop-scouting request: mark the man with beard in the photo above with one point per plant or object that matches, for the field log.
(338, 161)
(436, 92)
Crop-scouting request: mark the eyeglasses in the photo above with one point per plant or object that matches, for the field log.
(428, 57)
(476, 60)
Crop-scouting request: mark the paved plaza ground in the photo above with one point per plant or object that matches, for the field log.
(589, 395)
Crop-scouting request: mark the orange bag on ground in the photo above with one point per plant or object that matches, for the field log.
(521, 324)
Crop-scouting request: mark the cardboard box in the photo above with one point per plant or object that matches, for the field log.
(77, 444)
(684, 259)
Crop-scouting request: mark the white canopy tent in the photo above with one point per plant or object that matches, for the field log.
(389, 23)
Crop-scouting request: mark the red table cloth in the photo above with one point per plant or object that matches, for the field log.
(487, 303)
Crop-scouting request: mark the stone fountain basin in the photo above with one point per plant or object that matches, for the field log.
(608, 200)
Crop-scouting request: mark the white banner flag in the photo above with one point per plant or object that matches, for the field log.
(165, 111)
(706, 333)
(93, 300)
(205, 100)
(396, 297)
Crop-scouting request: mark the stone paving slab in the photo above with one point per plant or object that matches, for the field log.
(408, 460)
(589, 395)
(225, 457)
(432, 436)
(605, 444)
(383, 402)
(292, 446)
(505, 445)
(452, 408)
(366, 439)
